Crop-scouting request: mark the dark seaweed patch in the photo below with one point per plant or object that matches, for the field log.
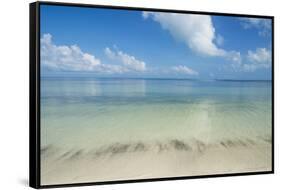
(140, 147)
(76, 154)
(118, 148)
(180, 145)
(230, 143)
(200, 146)
(46, 149)
(223, 144)
(65, 155)
(267, 139)
(242, 143)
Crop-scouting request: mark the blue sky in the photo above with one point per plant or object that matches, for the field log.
(124, 43)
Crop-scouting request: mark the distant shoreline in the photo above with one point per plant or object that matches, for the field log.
(151, 78)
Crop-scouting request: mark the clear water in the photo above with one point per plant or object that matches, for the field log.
(88, 113)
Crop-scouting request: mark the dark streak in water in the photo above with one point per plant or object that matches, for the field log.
(268, 140)
(176, 144)
(234, 143)
(140, 147)
(65, 155)
(250, 141)
(76, 154)
(200, 146)
(180, 145)
(46, 149)
(118, 148)
(223, 144)
(242, 143)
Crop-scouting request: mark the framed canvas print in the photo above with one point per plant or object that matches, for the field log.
(125, 94)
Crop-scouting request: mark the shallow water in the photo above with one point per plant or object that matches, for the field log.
(87, 113)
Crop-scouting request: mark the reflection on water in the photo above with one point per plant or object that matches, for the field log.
(134, 91)
(89, 113)
(91, 87)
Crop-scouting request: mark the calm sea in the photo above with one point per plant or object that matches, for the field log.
(88, 113)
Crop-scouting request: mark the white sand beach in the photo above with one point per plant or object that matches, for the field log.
(143, 161)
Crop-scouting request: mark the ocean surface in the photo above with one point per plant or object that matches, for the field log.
(89, 113)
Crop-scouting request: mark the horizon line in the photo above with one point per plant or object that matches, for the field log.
(157, 78)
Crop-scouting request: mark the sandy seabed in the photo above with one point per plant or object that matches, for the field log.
(139, 160)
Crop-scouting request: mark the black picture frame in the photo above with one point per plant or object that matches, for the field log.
(34, 94)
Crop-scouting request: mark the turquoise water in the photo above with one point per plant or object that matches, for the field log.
(88, 113)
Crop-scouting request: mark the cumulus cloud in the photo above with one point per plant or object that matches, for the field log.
(184, 70)
(261, 55)
(263, 25)
(128, 61)
(196, 31)
(65, 57)
(72, 58)
(234, 57)
(260, 58)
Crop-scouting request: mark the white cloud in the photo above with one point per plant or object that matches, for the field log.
(184, 70)
(234, 56)
(128, 61)
(261, 55)
(196, 31)
(72, 58)
(263, 25)
(145, 14)
(66, 57)
(260, 58)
